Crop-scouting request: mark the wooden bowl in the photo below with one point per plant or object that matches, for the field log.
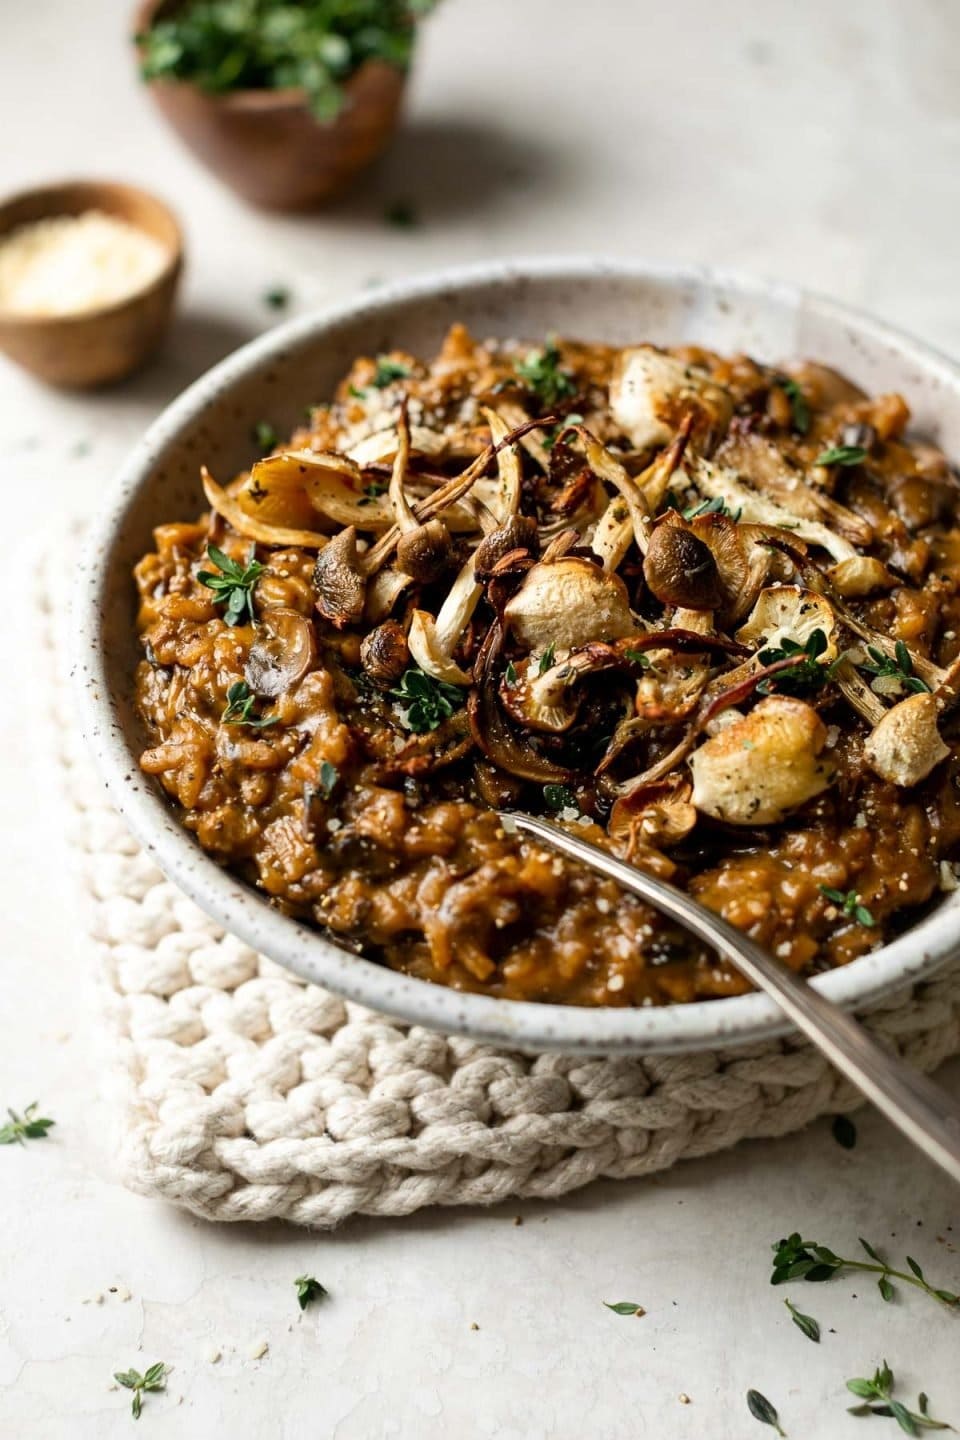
(267, 146)
(94, 347)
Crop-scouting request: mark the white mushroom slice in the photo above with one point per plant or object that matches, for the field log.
(650, 393)
(758, 770)
(515, 416)
(432, 642)
(509, 472)
(383, 592)
(381, 447)
(614, 533)
(608, 468)
(767, 470)
(857, 692)
(907, 745)
(568, 603)
(862, 575)
(790, 612)
(720, 483)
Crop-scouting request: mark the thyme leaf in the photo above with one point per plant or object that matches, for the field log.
(543, 377)
(233, 586)
(899, 666)
(309, 1289)
(805, 1323)
(239, 708)
(625, 1307)
(28, 1126)
(849, 903)
(879, 1388)
(808, 673)
(150, 1381)
(761, 1409)
(799, 408)
(425, 701)
(842, 455)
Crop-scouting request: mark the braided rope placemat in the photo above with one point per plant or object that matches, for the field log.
(248, 1095)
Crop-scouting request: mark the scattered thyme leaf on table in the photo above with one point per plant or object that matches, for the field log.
(805, 1323)
(152, 1380)
(233, 586)
(625, 1307)
(309, 1289)
(798, 1259)
(28, 1126)
(761, 1409)
(877, 1397)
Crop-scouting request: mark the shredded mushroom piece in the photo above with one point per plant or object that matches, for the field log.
(906, 744)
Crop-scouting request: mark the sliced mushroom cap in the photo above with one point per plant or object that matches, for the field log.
(759, 769)
(546, 703)
(906, 745)
(282, 652)
(384, 652)
(338, 580)
(651, 393)
(660, 813)
(790, 612)
(679, 568)
(567, 603)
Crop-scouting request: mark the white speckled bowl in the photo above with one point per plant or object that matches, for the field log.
(275, 377)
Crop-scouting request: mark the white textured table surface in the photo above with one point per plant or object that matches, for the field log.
(819, 143)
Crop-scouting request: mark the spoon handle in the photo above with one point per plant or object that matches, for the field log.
(925, 1113)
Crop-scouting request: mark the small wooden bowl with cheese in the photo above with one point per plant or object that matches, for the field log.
(88, 276)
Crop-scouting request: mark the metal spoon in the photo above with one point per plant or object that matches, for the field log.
(926, 1114)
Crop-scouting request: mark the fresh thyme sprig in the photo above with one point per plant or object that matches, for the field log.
(798, 1259)
(309, 1289)
(842, 455)
(388, 371)
(546, 659)
(233, 587)
(898, 668)
(152, 1380)
(716, 506)
(543, 377)
(849, 904)
(28, 1126)
(239, 708)
(877, 1397)
(426, 701)
(807, 673)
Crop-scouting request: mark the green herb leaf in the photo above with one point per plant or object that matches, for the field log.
(899, 668)
(761, 1409)
(153, 1381)
(314, 45)
(625, 1307)
(329, 775)
(880, 1388)
(543, 377)
(800, 410)
(233, 586)
(850, 905)
(842, 455)
(559, 797)
(546, 659)
(806, 1323)
(716, 506)
(239, 708)
(28, 1126)
(798, 1259)
(510, 674)
(309, 1289)
(808, 671)
(277, 297)
(844, 1131)
(887, 1291)
(426, 702)
(265, 435)
(389, 371)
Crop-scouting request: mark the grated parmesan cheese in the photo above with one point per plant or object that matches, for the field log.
(68, 264)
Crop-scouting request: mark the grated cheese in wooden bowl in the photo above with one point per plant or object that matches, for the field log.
(71, 264)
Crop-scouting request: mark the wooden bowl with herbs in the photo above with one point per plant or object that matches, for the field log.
(285, 103)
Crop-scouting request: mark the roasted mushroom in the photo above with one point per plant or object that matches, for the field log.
(338, 580)
(679, 568)
(761, 767)
(906, 745)
(384, 653)
(282, 653)
(651, 393)
(567, 603)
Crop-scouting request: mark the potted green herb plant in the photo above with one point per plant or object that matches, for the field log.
(285, 102)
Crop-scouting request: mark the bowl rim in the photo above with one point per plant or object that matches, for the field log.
(52, 189)
(699, 1025)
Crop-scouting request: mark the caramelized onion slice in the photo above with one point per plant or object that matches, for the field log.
(244, 524)
(282, 653)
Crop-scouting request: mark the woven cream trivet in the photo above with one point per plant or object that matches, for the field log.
(248, 1095)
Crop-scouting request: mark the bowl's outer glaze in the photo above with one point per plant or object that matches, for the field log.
(274, 377)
